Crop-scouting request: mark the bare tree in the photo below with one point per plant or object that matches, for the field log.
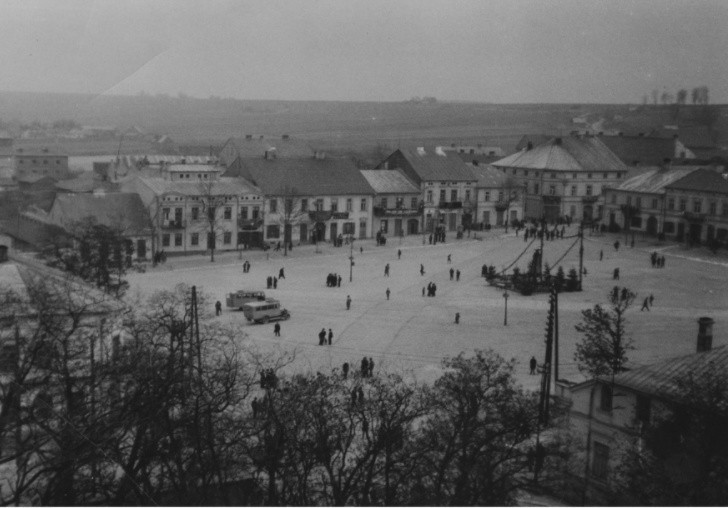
(655, 96)
(682, 96)
(213, 200)
(292, 213)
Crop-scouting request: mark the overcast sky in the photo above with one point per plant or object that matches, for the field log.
(490, 51)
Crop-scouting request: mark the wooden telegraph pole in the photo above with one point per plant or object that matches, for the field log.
(581, 252)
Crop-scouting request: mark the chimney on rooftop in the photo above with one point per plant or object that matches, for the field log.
(705, 334)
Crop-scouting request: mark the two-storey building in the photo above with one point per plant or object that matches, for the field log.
(194, 209)
(499, 197)
(447, 186)
(608, 416)
(638, 203)
(397, 209)
(564, 177)
(696, 208)
(309, 198)
(30, 165)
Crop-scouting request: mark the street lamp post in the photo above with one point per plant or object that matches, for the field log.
(351, 261)
(505, 315)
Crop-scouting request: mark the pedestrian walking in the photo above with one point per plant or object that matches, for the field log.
(218, 308)
(449, 259)
(281, 274)
(370, 368)
(457, 318)
(430, 238)
(275, 283)
(277, 330)
(452, 273)
(457, 275)
(386, 270)
(533, 364)
(338, 281)
(322, 337)
(361, 249)
(364, 367)
(601, 255)
(423, 291)
(269, 282)
(646, 304)
(615, 274)
(345, 369)
(387, 293)
(348, 302)
(399, 253)
(616, 245)
(331, 336)
(422, 269)
(652, 299)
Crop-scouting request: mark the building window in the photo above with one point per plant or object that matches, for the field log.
(573, 176)
(363, 205)
(671, 203)
(467, 194)
(725, 209)
(362, 228)
(334, 205)
(683, 204)
(654, 204)
(304, 205)
(413, 203)
(228, 212)
(273, 205)
(553, 176)
(350, 207)
(486, 217)
(525, 172)
(605, 400)
(211, 213)
(614, 199)
(195, 213)
(273, 231)
(243, 212)
(552, 190)
(383, 226)
(487, 195)
(429, 196)
(629, 200)
(165, 240)
(606, 176)
(669, 228)
(601, 461)
(638, 201)
(573, 190)
(227, 238)
(643, 409)
(288, 206)
(384, 203)
(399, 203)
(319, 204)
(454, 195)
(178, 240)
(348, 228)
(588, 190)
(697, 205)
(713, 207)
(588, 175)
(500, 196)
(256, 212)
(195, 239)
(165, 213)
(443, 196)
(535, 188)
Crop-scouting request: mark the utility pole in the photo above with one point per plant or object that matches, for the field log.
(556, 332)
(545, 397)
(505, 315)
(581, 252)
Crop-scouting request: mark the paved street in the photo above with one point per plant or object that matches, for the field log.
(411, 333)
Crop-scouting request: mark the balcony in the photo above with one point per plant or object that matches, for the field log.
(173, 224)
(502, 205)
(589, 199)
(451, 205)
(249, 223)
(396, 212)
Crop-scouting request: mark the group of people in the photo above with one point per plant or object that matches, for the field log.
(438, 236)
(323, 336)
(431, 289)
(554, 234)
(657, 261)
(246, 266)
(268, 379)
(647, 303)
(271, 282)
(159, 257)
(367, 367)
(333, 280)
(454, 273)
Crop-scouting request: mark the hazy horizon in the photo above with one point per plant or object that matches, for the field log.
(499, 52)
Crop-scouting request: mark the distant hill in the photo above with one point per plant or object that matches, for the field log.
(341, 125)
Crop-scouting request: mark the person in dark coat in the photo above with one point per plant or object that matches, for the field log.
(338, 281)
(345, 369)
(601, 255)
(457, 318)
(399, 253)
(387, 293)
(423, 291)
(281, 274)
(615, 275)
(646, 304)
(269, 282)
(218, 308)
(322, 337)
(457, 275)
(277, 330)
(386, 270)
(422, 269)
(652, 299)
(275, 283)
(452, 273)
(348, 302)
(364, 367)
(331, 336)
(533, 364)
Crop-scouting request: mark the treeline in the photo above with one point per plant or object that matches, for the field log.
(163, 413)
(698, 96)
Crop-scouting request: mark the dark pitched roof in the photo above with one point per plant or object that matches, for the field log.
(124, 210)
(437, 165)
(389, 181)
(692, 136)
(661, 379)
(566, 154)
(653, 180)
(307, 176)
(704, 180)
(534, 139)
(643, 150)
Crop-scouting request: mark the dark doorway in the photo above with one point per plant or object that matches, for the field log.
(652, 225)
(287, 233)
(412, 227)
(303, 233)
(319, 232)
(334, 231)
(695, 232)
(141, 249)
